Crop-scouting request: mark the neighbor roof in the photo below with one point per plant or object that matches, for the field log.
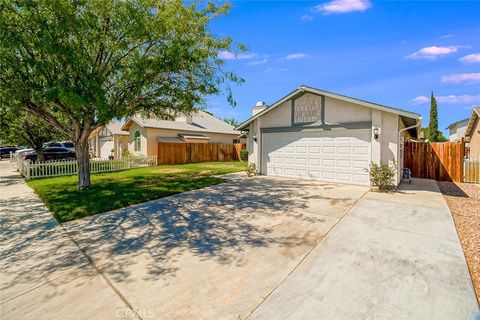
(471, 122)
(304, 88)
(455, 123)
(116, 128)
(201, 122)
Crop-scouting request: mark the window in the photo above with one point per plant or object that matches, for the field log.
(137, 141)
(236, 140)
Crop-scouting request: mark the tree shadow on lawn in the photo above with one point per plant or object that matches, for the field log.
(68, 203)
(216, 223)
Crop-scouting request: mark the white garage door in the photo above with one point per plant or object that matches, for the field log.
(106, 149)
(336, 156)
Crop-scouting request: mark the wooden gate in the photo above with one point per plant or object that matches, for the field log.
(442, 161)
(181, 153)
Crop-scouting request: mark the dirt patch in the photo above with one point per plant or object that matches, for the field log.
(205, 172)
(464, 202)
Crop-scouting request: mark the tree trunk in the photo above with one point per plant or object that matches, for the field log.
(83, 161)
(40, 155)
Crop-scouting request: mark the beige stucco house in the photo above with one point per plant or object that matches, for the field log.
(316, 134)
(200, 127)
(456, 130)
(472, 133)
(107, 138)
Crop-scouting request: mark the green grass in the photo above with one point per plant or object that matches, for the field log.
(122, 188)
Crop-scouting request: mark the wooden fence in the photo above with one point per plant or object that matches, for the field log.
(471, 169)
(181, 153)
(35, 170)
(442, 161)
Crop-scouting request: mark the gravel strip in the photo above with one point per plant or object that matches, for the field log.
(464, 202)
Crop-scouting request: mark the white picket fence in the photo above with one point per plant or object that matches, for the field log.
(34, 170)
(471, 169)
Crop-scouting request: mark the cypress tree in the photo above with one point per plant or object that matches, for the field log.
(433, 125)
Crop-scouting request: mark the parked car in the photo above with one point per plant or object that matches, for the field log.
(62, 144)
(52, 153)
(20, 152)
(5, 152)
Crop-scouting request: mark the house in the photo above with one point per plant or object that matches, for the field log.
(472, 133)
(107, 138)
(200, 127)
(316, 134)
(456, 131)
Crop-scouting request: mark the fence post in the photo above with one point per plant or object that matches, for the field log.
(28, 169)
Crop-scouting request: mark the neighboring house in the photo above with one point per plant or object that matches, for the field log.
(456, 131)
(107, 138)
(201, 127)
(472, 133)
(315, 134)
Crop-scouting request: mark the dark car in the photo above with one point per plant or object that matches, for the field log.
(5, 152)
(52, 153)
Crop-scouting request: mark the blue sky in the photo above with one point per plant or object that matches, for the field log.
(389, 52)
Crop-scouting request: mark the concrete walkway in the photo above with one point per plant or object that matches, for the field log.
(393, 256)
(43, 274)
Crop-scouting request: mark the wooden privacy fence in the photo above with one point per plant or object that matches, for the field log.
(181, 153)
(442, 161)
(471, 169)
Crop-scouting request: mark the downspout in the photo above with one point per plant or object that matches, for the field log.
(419, 122)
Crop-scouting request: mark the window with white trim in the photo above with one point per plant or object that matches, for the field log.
(137, 141)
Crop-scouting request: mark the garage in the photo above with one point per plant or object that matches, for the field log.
(320, 135)
(339, 156)
(106, 148)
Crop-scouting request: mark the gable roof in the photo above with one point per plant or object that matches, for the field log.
(306, 89)
(116, 128)
(475, 115)
(458, 122)
(201, 122)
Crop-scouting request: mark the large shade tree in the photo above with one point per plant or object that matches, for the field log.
(21, 128)
(77, 64)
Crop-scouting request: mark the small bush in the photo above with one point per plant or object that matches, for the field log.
(251, 169)
(383, 176)
(244, 155)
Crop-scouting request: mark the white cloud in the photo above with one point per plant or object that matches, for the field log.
(306, 17)
(295, 56)
(471, 58)
(450, 99)
(274, 70)
(227, 55)
(462, 78)
(343, 6)
(256, 62)
(433, 52)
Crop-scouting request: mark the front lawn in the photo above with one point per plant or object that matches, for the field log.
(122, 188)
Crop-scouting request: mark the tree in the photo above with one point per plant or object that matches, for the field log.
(24, 129)
(77, 64)
(433, 132)
(440, 138)
(231, 121)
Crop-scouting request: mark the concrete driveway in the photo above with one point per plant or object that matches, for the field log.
(260, 248)
(214, 253)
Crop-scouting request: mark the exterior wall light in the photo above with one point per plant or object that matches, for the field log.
(376, 132)
(254, 138)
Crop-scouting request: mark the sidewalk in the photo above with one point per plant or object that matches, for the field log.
(43, 273)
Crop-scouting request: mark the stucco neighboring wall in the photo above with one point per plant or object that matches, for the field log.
(475, 139)
(149, 138)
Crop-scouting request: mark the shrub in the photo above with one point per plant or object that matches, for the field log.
(126, 153)
(244, 155)
(251, 169)
(383, 176)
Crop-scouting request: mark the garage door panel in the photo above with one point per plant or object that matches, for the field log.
(339, 156)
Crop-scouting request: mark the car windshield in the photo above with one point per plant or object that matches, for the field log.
(68, 145)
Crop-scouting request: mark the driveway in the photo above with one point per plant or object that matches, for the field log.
(252, 248)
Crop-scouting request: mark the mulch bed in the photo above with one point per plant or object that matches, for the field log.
(464, 202)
